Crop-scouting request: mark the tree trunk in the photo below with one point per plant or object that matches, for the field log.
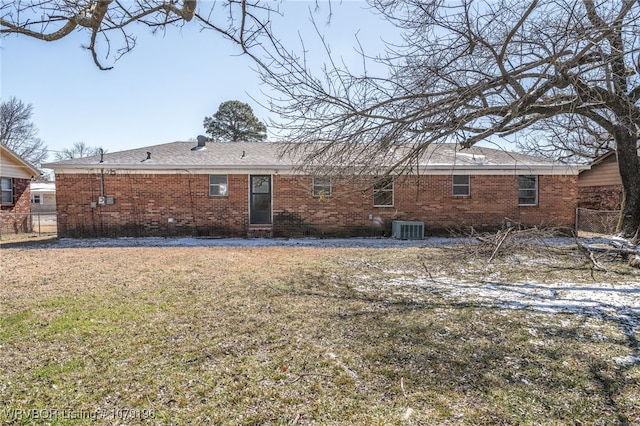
(629, 167)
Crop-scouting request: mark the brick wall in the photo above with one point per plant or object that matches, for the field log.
(144, 205)
(606, 197)
(16, 219)
(149, 205)
(493, 202)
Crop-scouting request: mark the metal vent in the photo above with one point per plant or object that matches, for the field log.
(406, 230)
(202, 143)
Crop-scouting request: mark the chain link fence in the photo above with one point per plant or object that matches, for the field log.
(44, 223)
(40, 223)
(597, 221)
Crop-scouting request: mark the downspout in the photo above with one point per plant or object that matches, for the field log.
(101, 174)
(101, 199)
(102, 183)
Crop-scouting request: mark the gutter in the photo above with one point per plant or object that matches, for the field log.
(273, 168)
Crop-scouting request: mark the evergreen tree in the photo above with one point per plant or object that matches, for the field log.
(234, 122)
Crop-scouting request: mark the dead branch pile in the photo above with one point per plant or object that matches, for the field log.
(535, 241)
(510, 240)
(612, 249)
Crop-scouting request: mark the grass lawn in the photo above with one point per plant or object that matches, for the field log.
(285, 335)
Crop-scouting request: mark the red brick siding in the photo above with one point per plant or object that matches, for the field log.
(607, 197)
(16, 219)
(493, 201)
(144, 203)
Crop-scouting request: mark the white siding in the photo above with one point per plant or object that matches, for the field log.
(9, 167)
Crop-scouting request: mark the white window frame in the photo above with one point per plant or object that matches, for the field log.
(38, 197)
(525, 193)
(457, 185)
(383, 187)
(7, 189)
(321, 187)
(219, 188)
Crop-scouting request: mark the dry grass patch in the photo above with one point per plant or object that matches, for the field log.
(304, 336)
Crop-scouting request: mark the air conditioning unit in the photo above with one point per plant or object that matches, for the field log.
(407, 230)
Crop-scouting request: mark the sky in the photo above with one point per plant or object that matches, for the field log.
(162, 90)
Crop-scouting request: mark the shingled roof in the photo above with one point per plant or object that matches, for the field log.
(262, 155)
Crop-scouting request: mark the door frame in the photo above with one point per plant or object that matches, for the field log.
(251, 194)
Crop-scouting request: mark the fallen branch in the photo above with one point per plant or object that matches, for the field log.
(510, 240)
(622, 248)
(589, 253)
(614, 250)
(504, 237)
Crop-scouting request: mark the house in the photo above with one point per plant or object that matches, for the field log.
(600, 186)
(15, 177)
(249, 189)
(43, 197)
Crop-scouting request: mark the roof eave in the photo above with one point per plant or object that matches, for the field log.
(573, 168)
(529, 168)
(151, 166)
(33, 169)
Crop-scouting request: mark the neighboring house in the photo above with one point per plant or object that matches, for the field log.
(43, 197)
(600, 187)
(15, 177)
(249, 189)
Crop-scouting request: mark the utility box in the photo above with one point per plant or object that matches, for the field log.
(106, 201)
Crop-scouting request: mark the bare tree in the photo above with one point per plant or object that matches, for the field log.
(78, 150)
(19, 133)
(467, 71)
(110, 25)
(568, 138)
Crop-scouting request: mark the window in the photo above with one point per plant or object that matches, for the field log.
(321, 187)
(528, 190)
(6, 184)
(383, 193)
(218, 186)
(36, 199)
(461, 185)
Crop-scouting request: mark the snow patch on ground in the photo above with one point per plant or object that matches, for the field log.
(542, 297)
(258, 242)
(372, 242)
(619, 303)
(626, 361)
